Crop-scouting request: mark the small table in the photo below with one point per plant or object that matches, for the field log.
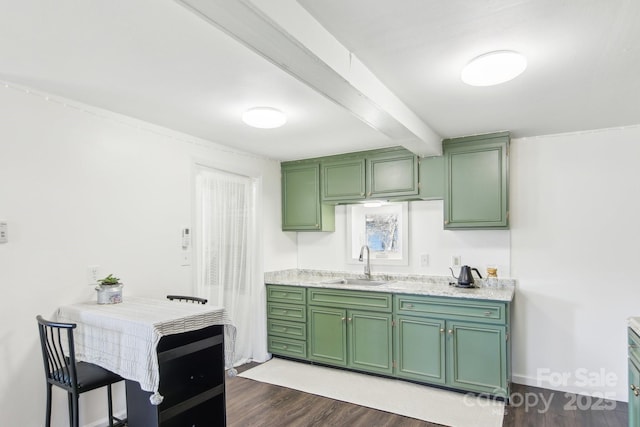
(171, 354)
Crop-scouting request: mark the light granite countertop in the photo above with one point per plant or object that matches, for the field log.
(487, 289)
(634, 323)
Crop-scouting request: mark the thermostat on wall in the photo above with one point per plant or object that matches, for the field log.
(4, 238)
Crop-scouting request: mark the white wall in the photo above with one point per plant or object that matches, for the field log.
(78, 187)
(575, 228)
(477, 248)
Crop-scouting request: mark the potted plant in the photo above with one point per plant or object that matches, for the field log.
(109, 290)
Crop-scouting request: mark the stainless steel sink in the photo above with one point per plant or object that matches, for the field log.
(363, 282)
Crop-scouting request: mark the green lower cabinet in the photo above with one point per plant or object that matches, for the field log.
(287, 347)
(634, 399)
(349, 338)
(453, 342)
(420, 349)
(477, 357)
(370, 341)
(633, 350)
(328, 335)
(287, 321)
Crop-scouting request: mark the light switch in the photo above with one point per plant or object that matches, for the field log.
(4, 237)
(424, 260)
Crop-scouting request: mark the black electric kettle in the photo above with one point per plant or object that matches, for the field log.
(465, 278)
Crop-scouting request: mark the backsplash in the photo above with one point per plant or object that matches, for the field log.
(477, 248)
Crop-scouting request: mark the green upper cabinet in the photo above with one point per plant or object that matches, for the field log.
(301, 206)
(343, 180)
(390, 173)
(431, 178)
(476, 182)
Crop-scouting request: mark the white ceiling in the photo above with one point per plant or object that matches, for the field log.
(158, 61)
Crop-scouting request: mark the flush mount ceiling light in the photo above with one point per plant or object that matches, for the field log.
(494, 68)
(264, 117)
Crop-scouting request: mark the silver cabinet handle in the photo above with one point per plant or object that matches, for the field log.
(487, 313)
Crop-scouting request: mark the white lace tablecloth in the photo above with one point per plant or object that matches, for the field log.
(123, 337)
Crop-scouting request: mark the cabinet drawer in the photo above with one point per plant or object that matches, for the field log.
(283, 328)
(634, 347)
(286, 312)
(377, 301)
(485, 311)
(287, 294)
(287, 347)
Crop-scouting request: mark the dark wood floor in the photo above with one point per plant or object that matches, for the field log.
(251, 403)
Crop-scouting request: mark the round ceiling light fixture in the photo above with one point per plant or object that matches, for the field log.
(264, 117)
(494, 68)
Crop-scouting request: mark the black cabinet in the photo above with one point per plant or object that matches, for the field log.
(191, 367)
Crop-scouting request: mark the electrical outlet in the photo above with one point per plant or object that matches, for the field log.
(456, 260)
(93, 272)
(424, 260)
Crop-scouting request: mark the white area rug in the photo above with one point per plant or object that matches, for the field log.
(398, 397)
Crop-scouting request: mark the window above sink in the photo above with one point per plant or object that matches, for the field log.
(383, 228)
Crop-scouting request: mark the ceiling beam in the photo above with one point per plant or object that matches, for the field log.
(288, 36)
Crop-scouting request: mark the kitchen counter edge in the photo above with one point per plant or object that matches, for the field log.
(437, 286)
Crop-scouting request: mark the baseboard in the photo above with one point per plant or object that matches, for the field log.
(616, 391)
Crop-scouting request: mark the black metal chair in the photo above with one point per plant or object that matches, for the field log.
(62, 370)
(187, 299)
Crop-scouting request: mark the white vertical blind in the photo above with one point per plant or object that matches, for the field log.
(228, 256)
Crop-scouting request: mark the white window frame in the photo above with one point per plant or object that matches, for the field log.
(356, 233)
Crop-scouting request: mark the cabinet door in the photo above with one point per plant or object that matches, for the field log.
(432, 178)
(420, 349)
(370, 341)
(328, 335)
(393, 174)
(477, 359)
(634, 392)
(301, 207)
(476, 178)
(343, 180)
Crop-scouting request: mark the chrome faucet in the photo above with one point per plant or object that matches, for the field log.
(367, 266)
